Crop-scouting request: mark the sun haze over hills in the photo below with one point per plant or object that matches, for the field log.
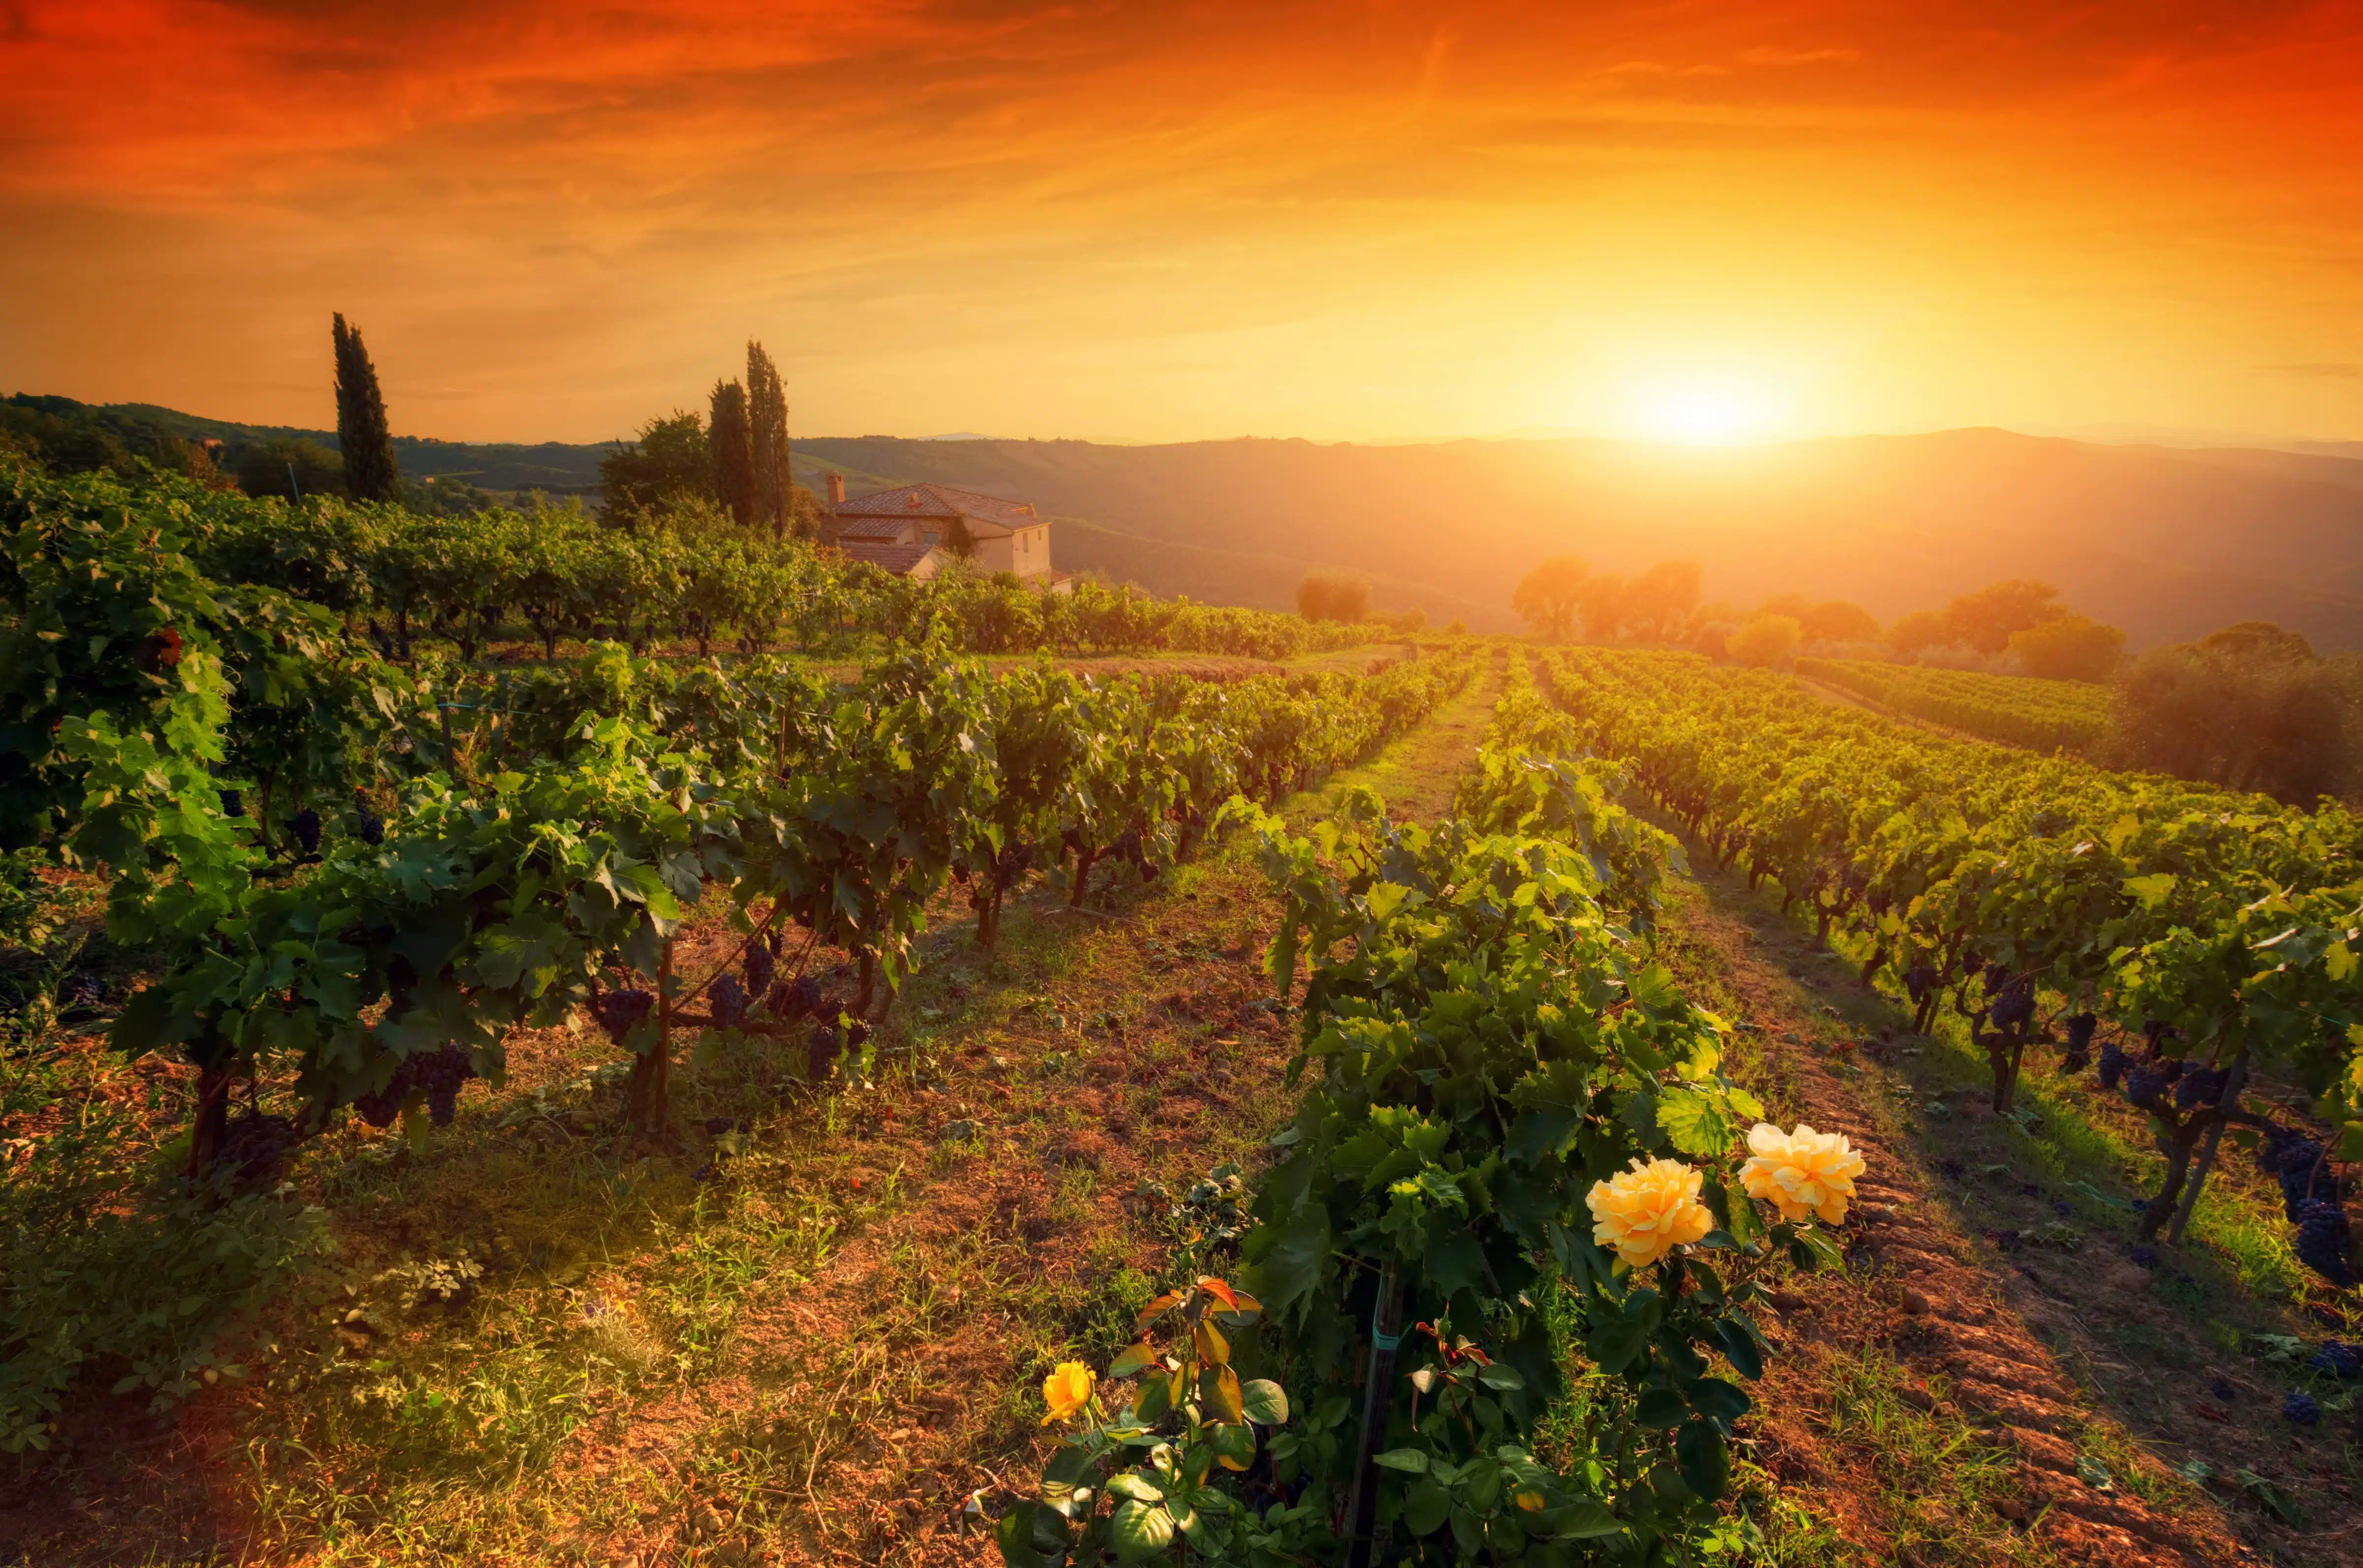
(1685, 222)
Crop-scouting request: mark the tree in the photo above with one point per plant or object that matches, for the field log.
(1332, 596)
(2072, 647)
(1987, 619)
(1659, 602)
(1600, 599)
(767, 440)
(2242, 712)
(1840, 621)
(1545, 597)
(734, 458)
(289, 469)
(959, 541)
(370, 473)
(2258, 640)
(1921, 629)
(668, 462)
(1767, 640)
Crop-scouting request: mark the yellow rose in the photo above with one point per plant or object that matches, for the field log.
(1067, 1390)
(1807, 1175)
(1648, 1211)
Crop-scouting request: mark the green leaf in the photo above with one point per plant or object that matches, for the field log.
(1426, 1507)
(1140, 1530)
(1586, 1519)
(1409, 1461)
(1738, 1344)
(1266, 1402)
(1720, 1402)
(1661, 1408)
(1695, 1123)
(1234, 1446)
(1704, 1462)
(1032, 1535)
(1292, 1269)
(1132, 1483)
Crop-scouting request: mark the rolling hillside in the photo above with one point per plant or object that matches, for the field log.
(2166, 542)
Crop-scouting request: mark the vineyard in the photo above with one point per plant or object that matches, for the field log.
(772, 1084)
(2040, 715)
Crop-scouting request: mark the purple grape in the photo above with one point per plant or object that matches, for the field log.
(2146, 1084)
(305, 825)
(2223, 1391)
(2112, 1065)
(2014, 1006)
(2326, 1244)
(2079, 1032)
(372, 826)
(618, 1010)
(728, 1001)
(2201, 1085)
(1920, 980)
(2336, 1358)
(257, 1145)
(2302, 1410)
(760, 966)
(233, 802)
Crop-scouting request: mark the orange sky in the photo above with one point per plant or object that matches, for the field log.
(1355, 221)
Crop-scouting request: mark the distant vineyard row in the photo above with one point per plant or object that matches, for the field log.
(564, 575)
(2042, 716)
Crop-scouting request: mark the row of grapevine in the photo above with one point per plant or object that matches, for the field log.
(2042, 716)
(561, 574)
(2184, 931)
(1490, 1055)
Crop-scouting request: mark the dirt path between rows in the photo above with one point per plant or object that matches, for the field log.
(1963, 1340)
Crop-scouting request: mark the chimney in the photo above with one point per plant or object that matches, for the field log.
(836, 489)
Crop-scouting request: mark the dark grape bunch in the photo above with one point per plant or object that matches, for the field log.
(799, 997)
(370, 826)
(436, 1075)
(2200, 1085)
(618, 1010)
(1997, 979)
(233, 802)
(761, 966)
(257, 1145)
(2301, 1409)
(1920, 980)
(2145, 1082)
(727, 999)
(305, 825)
(2078, 1055)
(2015, 1006)
(2113, 1063)
(2336, 1358)
(2326, 1244)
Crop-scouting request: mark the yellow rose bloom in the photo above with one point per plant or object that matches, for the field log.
(1067, 1390)
(1806, 1175)
(1648, 1211)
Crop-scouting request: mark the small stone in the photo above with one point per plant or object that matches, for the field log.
(1915, 1303)
(1919, 1400)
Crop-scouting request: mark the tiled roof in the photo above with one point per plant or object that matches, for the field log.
(896, 558)
(998, 516)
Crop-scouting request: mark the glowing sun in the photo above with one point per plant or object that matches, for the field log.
(1698, 413)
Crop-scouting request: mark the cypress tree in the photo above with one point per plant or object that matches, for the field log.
(734, 462)
(370, 470)
(767, 439)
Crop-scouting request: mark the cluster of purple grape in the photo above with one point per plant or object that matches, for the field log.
(233, 802)
(371, 825)
(436, 1076)
(2200, 1085)
(2080, 1030)
(2301, 1409)
(257, 1145)
(617, 1011)
(2112, 1065)
(305, 825)
(2338, 1358)
(762, 963)
(2147, 1083)
(1920, 980)
(726, 1001)
(2326, 1243)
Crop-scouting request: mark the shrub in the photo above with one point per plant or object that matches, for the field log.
(2248, 711)
(1327, 596)
(2071, 648)
(1767, 640)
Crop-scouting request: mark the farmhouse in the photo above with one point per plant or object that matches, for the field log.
(916, 530)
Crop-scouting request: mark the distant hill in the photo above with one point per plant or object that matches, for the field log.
(2167, 542)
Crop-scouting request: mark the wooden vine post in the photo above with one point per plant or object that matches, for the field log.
(644, 1103)
(1378, 1401)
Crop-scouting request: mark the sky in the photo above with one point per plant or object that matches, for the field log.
(1369, 221)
